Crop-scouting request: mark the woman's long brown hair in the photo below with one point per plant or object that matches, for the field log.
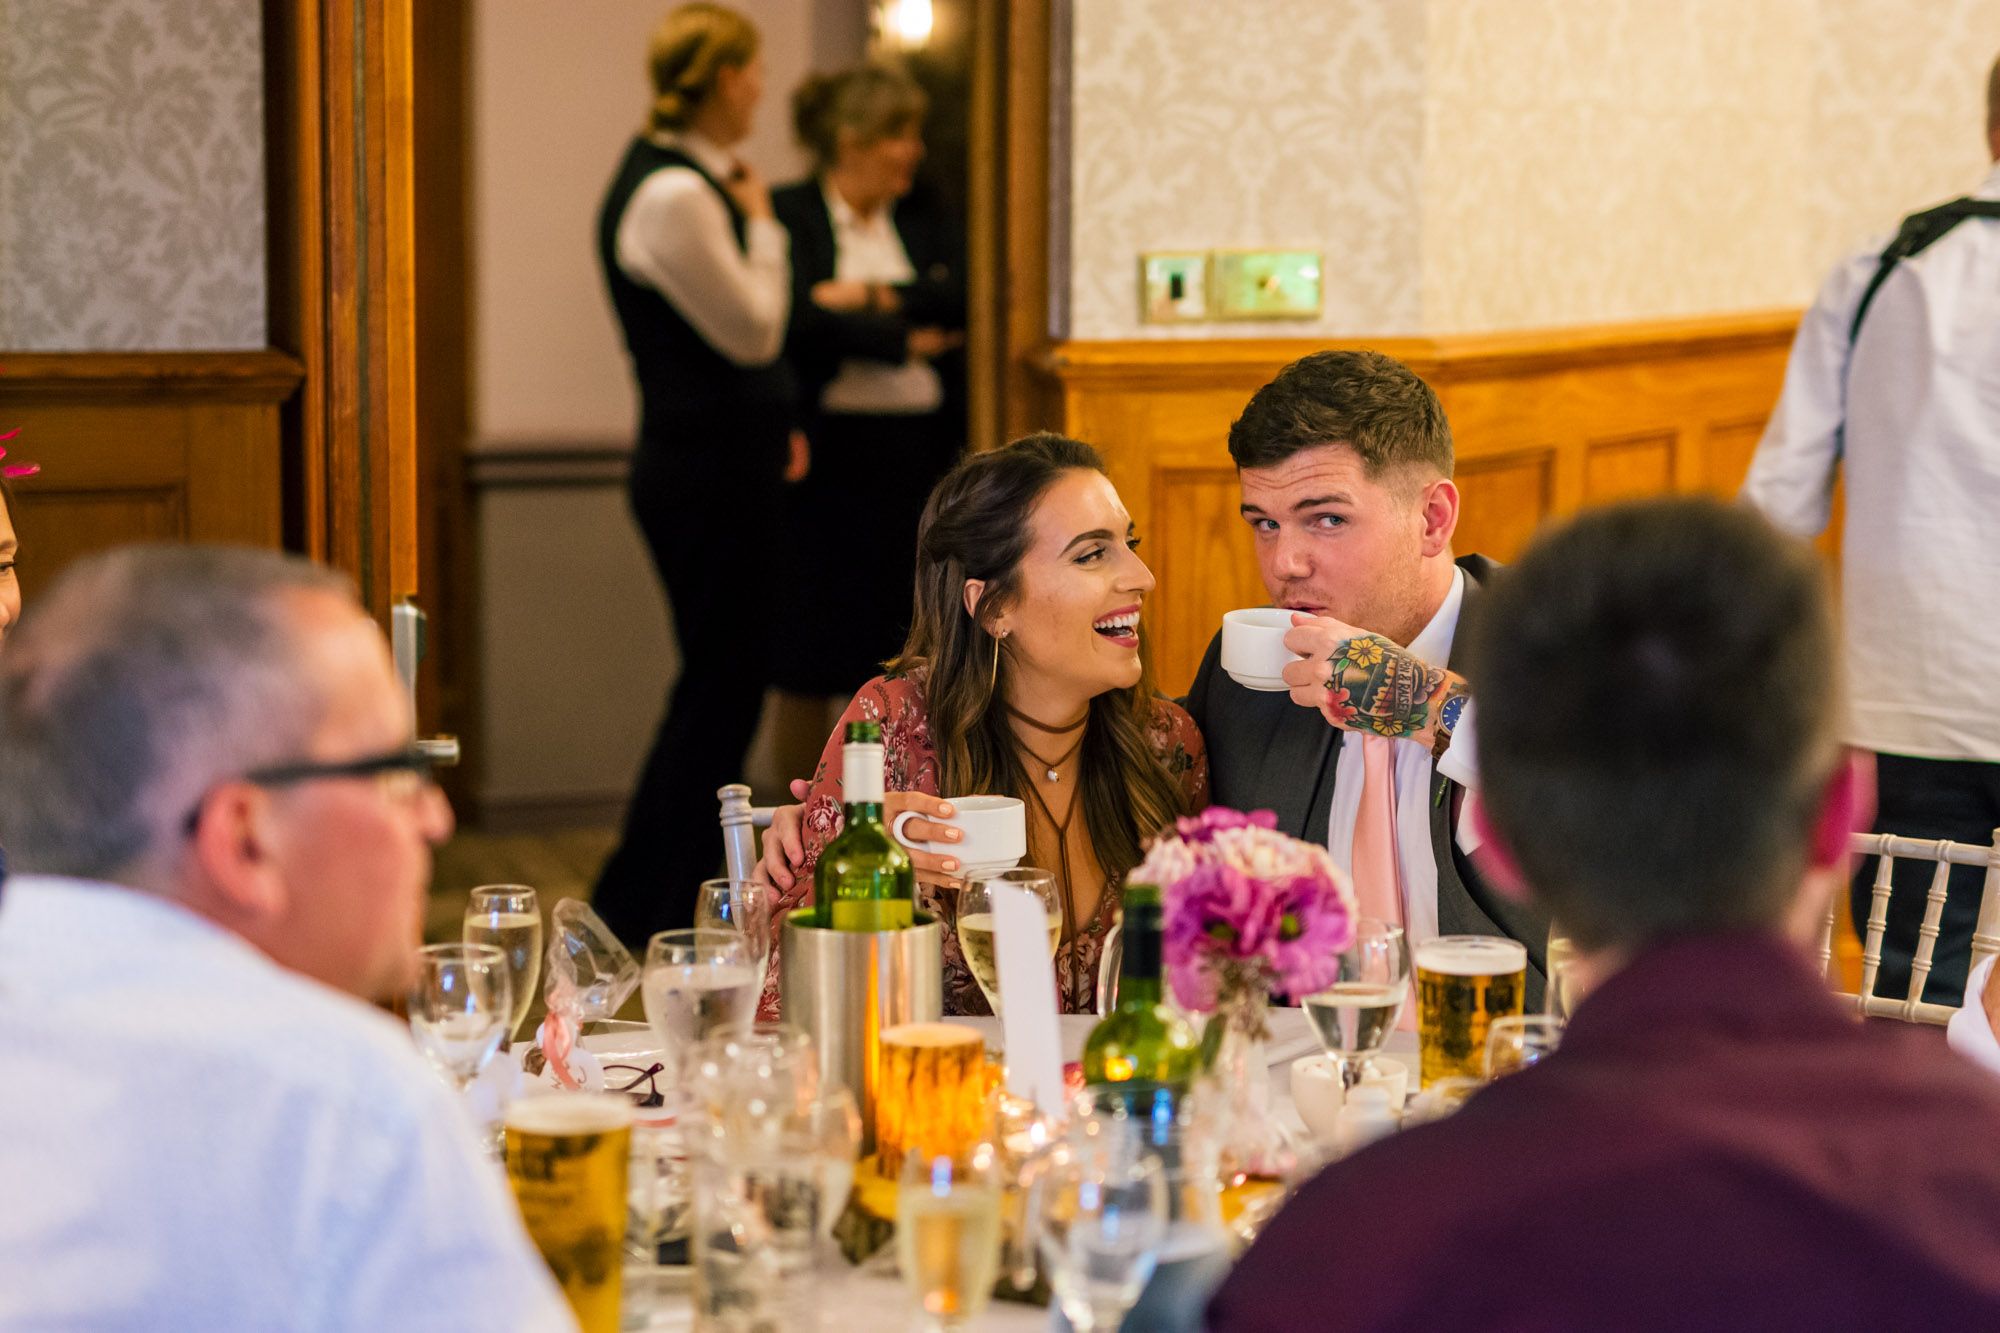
(975, 526)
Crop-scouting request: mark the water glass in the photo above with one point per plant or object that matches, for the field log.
(1517, 1041)
(948, 1234)
(974, 922)
(743, 905)
(1100, 1212)
(697, 984)
(760, 1202)
(509, 917)
(459, 1005)
(1356, 1014)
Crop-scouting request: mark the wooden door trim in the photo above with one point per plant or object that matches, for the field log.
(265, 376)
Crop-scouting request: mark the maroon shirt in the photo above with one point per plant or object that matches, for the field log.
(1717, 1145)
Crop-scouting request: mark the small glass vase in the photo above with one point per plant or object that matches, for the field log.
(1257, 1156)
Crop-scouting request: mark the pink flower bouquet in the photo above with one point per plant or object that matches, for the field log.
(1247, 910)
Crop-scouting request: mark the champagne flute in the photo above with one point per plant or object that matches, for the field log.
(1356, 1014)
(975, 922)
(948, 1234)
(1100, 1214)
(1516, 1041)
(459, 1005)
(739, 904)
(697, 984)
(509, 917)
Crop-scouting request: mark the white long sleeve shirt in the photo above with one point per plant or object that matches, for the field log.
(675, 237)
(1913, 409)
(192, 1137)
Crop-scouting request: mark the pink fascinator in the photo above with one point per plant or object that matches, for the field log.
(16, 469)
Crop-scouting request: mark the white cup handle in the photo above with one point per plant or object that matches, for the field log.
(896, 830)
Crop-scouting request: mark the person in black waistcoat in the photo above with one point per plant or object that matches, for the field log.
(700, 278)
(878, 307)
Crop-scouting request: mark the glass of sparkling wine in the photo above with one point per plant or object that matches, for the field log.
(948, 1234)
(509, 917)
(459, 1005)
(698, 984)
(1356, 1014)
(975, 922)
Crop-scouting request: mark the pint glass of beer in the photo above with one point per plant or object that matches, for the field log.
(1464, 982)
(566, 1159)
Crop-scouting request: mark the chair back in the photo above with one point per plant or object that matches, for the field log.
(739, 817)
(1889, 849)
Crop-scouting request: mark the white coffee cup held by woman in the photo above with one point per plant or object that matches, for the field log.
(993, 833)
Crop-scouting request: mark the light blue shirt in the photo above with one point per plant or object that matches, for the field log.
(192, 1137)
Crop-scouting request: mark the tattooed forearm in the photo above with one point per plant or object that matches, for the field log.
(1379, 687)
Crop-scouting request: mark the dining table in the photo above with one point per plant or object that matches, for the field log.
(870, 1298)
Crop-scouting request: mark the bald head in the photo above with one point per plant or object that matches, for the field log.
(140, 678)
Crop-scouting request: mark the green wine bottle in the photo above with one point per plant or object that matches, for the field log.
(1143, 1038)
(864, 880)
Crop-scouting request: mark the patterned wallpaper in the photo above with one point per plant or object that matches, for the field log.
(1262, 122)
(1899, 115)
(131, 175)
(1590, 160)
(1490, 164)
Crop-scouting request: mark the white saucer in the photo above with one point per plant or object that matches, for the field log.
(1267, 684)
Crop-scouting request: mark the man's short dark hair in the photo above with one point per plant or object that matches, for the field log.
(1373, 403)
(1658, 709)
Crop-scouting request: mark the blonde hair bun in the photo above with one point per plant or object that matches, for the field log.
(686, 57)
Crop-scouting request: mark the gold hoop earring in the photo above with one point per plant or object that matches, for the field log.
(994, 683)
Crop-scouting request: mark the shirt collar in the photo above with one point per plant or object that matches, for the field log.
(1433, 642)
(844, 214)
(710, 156)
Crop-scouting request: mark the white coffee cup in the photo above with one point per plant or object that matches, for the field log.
(1318, 1095)
(995, 829)
(1253, 647)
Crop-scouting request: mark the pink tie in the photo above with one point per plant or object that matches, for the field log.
(1378, 885)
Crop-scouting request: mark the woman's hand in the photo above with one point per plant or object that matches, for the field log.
(840, 294)
(933, 868)
(785, 848)
(784, 843)
(800, 462)
(929, 342)
(749, 191)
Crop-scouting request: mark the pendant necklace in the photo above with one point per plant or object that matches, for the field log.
(1049, 766)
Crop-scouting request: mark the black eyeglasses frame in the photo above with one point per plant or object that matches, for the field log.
(404, 759)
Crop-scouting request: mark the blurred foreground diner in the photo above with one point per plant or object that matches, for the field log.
(221, 840)
(1717, 1144)
(1023, 676)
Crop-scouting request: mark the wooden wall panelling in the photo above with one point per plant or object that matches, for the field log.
(159, 446)
(1543, 423)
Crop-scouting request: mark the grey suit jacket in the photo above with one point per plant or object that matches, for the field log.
(1267, 753)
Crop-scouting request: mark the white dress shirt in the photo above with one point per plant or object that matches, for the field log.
(1416, 858)
(675, 237)
(1915, 414)
(869, 249)
(1969, 1033)
(192, 1137)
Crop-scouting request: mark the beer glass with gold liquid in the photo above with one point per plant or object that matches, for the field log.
(1464, 982)
(567, 1156)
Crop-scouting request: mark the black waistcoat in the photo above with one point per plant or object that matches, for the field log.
(686, 387)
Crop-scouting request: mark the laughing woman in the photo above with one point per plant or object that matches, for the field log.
(1023, 676)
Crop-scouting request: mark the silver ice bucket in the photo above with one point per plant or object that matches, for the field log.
(845, 986)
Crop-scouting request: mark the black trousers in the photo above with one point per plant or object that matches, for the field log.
(704, 513)
(1929, 798)
(850, 538)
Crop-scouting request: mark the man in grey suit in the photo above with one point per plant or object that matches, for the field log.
(1345, 462)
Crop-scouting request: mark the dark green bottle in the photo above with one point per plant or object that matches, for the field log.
(1143, 1038)
(864, 880)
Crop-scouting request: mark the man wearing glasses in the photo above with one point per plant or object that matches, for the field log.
(221, 841)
